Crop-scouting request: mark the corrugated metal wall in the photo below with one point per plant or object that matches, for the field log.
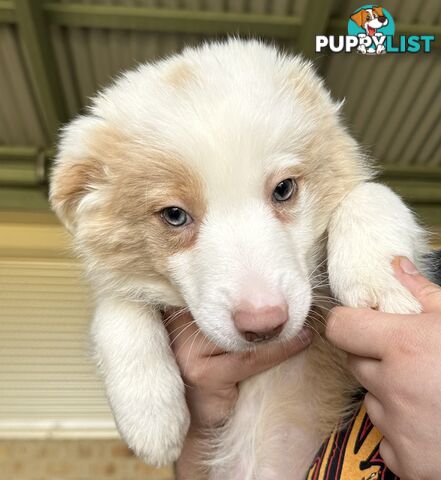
(275, 7)
(427, 12)
(20, 122)
(393, 103)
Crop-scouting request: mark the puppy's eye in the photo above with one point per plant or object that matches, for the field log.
(284, 190)
(176, 217)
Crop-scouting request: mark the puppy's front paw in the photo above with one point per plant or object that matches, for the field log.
(154, 426)
(370, 227)
(372, 286)
(143, 383)
(157, 438)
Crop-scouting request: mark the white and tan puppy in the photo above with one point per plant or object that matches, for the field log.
(223, 180)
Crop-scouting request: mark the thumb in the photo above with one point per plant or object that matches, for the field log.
(426, 292)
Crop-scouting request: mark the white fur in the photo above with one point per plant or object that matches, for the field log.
(143, 382)
(370, 227)
(233, 246)
(248, 113)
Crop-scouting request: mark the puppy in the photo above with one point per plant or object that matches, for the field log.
(222, 180)
(371, 19)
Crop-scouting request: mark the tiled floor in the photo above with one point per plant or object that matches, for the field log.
(73, 460)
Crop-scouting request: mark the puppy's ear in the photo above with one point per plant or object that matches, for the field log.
(77, 173)
(359, 18)
(378, 11)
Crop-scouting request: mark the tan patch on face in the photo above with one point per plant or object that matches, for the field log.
(180, 75)
(125, 231)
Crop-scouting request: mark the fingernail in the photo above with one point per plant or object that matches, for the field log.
(407, 266)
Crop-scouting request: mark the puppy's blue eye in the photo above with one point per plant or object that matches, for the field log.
(284, 190)
(175, 216)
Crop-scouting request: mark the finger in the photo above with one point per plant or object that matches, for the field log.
(366, 371)
(426, 292)
(361, 331)
(246, 364)
(390, 458)
(185, 336)
(375, 410)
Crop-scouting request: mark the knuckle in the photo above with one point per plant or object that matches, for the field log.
(406, 342)
(194, 375)
(387, 455)
(372, 409)
(430, 291)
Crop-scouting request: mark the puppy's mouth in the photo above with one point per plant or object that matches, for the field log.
(371, 31)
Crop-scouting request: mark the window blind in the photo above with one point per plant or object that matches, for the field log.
(48, 383)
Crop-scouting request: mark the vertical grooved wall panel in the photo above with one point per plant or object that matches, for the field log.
(48, 383)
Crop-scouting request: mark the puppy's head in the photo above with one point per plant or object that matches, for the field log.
(208, 180)
(370, 19)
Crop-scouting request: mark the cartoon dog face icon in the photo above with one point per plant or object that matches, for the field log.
(370, 19)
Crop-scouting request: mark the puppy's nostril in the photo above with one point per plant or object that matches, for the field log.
(382, 19)
(256, 337)
(260, 324)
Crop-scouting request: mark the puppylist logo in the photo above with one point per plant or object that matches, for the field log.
(371, 31)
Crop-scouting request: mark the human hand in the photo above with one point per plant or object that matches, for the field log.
(212, 375)
(397, 358)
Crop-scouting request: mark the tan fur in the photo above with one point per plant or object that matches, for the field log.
(72, 182)
(138, 184)
(378, 11)
(360, 17)
(179, 75)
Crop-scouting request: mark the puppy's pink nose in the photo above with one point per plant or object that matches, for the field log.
(259, 324)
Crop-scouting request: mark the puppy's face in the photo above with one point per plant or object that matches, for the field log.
(370, 19)
(208, 180)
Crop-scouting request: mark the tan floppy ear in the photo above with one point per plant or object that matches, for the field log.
(77, 172)
(359, 18)
(71, 181)
(378, 11)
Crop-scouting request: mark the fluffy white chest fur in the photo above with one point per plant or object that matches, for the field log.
(222, 179)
